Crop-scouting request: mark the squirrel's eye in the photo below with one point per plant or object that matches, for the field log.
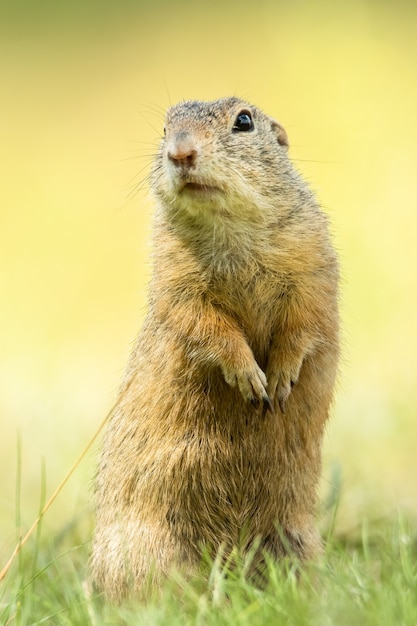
(243, 122)
(165, 131)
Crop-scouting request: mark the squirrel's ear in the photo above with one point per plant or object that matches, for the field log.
(280, 133)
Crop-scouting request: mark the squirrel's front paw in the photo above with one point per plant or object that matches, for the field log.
(251, 382)
(282, 382)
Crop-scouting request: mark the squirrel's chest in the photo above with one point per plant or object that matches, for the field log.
(254, 296)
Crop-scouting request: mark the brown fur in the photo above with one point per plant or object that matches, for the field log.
(242, 312)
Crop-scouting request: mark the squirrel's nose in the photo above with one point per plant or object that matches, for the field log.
(182, 151)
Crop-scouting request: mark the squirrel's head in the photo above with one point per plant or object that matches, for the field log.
(219, 158)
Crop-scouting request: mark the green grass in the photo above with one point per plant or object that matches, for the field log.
(364, 580)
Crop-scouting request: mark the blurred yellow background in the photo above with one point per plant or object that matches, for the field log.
(83, 87)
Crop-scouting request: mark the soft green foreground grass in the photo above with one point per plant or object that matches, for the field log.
(368, 580)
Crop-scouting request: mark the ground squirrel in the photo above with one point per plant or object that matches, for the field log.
(216, 441)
